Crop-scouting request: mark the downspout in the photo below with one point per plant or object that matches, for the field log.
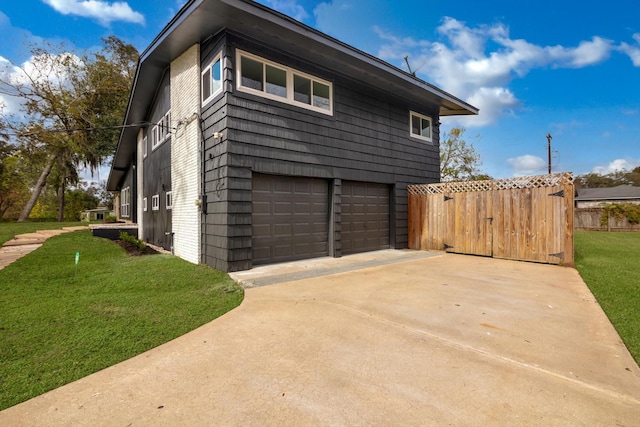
(203, 195)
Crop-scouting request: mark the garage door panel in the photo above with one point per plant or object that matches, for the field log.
(365, 217)
(297, 224)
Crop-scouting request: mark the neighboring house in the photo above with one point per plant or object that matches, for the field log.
(97, 214)
(251, 138)
(594, 197)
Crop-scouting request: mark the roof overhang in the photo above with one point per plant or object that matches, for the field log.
(199, 19)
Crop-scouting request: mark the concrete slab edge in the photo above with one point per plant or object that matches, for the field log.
(325, 271)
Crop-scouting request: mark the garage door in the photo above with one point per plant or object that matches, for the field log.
(365, 217)
(290, 218)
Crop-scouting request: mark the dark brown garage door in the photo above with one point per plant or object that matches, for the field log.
(365, 217)
(290, 218)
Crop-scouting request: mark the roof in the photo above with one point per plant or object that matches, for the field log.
(620, 192)
(199, 19)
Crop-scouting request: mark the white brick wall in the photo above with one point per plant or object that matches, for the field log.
(185, 156)
(139, 190)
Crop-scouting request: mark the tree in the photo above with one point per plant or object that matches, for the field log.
(612, 179)
(459, 160)
(72, 107)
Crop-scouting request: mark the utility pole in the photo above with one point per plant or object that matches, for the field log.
(549, 138)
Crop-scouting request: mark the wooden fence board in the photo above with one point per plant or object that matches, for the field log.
(525, 218)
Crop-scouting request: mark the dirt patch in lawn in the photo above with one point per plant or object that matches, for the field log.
(133, 250)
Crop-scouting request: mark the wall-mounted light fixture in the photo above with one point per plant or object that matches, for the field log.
(217, 135)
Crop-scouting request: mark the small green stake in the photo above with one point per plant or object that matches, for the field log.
(77, 260)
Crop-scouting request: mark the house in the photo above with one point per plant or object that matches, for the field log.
(595, 197)
(251, 138)
(97, 214)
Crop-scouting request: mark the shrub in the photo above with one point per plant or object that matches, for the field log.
(618, 210)
(126, 237)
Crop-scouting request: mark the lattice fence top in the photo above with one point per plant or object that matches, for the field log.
(538, 181)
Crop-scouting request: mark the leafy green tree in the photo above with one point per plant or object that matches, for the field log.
(78, 200)
(613, 179)
(459, 160)
(634, 176)
(72, 107)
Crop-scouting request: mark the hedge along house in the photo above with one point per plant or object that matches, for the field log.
(251, 138)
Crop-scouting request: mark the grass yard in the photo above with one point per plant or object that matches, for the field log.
(609, 264)
(59, 323)
(8, 230)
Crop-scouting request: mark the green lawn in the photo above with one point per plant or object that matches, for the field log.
(8, 230)
(59, 322)
(610, 265)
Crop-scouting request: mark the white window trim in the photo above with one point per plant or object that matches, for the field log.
(155, 202)
(144, 147)
(125, 202)
(161, 132)
(209, 66)
(168, 200)
(421, 116)
(144, 204)
(290, 73)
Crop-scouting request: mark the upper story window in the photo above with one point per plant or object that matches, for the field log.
(155, 202)
(212, 79)
(420, 126)
(169, 200)
(274, 81)
(161, 131)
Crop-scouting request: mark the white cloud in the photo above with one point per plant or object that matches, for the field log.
(632, 51)
(527, 164)
(587, 53)
(460, 64)
(37, 69)
(290, 8)
(617, 165)
(104, 12)
(8, 73)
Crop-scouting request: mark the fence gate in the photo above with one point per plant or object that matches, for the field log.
(525, 218)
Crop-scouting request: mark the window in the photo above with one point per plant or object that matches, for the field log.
(144, 204)
(144, 146)
(169, 200)
(161, 131)
(125, 202)
(155, 203)
(265, 78)
(212, 79)
(420, 126)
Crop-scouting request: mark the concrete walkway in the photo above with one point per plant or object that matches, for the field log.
(441, 340)
(23, 244)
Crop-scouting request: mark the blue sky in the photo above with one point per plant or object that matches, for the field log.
(567, 68)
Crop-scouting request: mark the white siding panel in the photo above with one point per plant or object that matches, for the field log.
(140, 187)
(185, 158)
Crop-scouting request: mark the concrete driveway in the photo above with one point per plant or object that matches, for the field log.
(419, 340)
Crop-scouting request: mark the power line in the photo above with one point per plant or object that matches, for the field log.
(89, 129)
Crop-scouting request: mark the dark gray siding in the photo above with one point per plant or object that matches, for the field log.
(226, 221)
(157, 173)
(366, 139)
(130, 181)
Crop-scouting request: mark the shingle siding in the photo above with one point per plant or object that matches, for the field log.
(157, 172)
(366, 139)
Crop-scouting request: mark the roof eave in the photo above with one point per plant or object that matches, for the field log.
(198, 19)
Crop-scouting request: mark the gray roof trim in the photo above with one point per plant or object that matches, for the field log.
(199, 19)
(621, 192)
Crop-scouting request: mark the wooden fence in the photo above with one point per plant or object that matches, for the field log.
(591, 219)
(526, 218)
